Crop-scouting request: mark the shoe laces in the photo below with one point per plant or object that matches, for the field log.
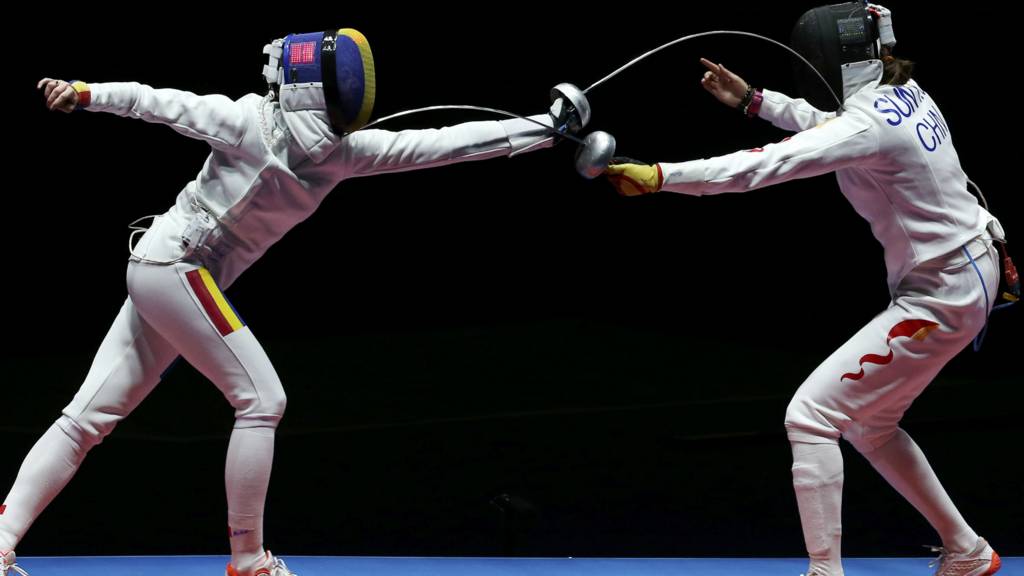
(941, 560)
(5, 567)
(279, 565)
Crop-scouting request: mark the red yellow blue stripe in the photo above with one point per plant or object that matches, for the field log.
(84, 93)
(217, 307)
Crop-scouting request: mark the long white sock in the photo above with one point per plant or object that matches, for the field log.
(818, 482)
(247, 478)
(902, 463)
(47, 468)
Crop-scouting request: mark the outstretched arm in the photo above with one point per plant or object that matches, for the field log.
(215, 119)
(841, 143)
(367, 152)
(381, 151)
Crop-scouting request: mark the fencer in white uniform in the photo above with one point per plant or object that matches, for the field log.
(892, 153)
(273, 160)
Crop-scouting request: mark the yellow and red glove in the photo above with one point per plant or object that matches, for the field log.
(632, 178)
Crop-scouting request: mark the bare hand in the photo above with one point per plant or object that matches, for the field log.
(59, 95)
(723, 84)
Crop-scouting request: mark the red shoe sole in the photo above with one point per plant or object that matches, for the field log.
(994, 567)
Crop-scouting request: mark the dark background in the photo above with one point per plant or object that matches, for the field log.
(617, 368)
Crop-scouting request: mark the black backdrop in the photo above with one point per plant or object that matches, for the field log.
(497, 357)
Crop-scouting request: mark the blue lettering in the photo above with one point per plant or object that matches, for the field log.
(935, 127)
(910, 107)
(937, 118)
(897, 119)
(907, 96)
(935, 141)
(920, 93)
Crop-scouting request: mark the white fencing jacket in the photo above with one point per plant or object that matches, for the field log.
(892, 153)
(269, 169)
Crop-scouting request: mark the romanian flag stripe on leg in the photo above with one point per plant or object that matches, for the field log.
(216, 305)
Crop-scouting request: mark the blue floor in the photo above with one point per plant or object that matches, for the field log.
(359, 566)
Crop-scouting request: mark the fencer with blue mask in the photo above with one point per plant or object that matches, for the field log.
(273, 159)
